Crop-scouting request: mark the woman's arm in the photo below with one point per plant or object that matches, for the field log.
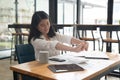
(72, 40)
(76, 41)
(40, 44)
(60, 46)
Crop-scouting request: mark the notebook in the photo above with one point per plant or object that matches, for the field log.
(65, 68)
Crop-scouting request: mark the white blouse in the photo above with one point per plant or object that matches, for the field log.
(44, 45)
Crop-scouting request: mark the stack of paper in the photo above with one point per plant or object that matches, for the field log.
(90, 55)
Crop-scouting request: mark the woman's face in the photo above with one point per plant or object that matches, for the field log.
(44, 26)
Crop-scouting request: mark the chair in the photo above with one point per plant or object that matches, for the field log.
(17, 38)
(25, 53)
(105, 32)
(86, 32)
(111, 39)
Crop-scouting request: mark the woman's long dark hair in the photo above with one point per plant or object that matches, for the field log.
(36, 19)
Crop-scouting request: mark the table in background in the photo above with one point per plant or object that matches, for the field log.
(18, 29)
(60, 26)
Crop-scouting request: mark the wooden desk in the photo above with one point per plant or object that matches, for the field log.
(95, 69)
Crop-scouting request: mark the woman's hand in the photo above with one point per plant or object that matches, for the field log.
(78, 42)
(81, 47)
(77, 48)
(84, 45)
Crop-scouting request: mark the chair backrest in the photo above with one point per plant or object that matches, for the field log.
(111, 29)
(84, 29)
(24, 53)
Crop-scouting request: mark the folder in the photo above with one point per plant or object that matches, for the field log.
(57, 68)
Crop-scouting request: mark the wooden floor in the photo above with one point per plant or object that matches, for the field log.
(6, 73)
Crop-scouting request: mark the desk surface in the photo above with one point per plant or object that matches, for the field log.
(93, 69)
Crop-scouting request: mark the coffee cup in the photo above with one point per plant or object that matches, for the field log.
(43, 57)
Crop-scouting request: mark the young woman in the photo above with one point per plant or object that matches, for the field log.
(44, 38)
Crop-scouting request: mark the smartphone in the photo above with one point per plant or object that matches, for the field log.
(57, 59)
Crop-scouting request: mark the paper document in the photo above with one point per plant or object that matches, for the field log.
(91, 55)
(69, 59)
(77, 60)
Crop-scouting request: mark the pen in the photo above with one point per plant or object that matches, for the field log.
(93, 57)
(96, 58)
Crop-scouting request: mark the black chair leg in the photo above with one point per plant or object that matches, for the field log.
(105, 77)
(119, 46)
(94, 45)
(99, 45)
(15, 76)
(102, 46)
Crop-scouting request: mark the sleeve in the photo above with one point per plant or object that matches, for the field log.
(63, 38)
(41, 44)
